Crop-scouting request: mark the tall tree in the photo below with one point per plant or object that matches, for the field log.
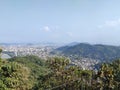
(14, 76)
(105, 78)
(64, 76)
(0, 53)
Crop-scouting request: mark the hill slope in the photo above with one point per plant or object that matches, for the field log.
(98, 51)
(36, 64)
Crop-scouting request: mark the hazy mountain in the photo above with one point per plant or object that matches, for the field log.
(73, 44)
(98, 51)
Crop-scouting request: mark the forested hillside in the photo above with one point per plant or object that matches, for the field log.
(56, 73)
(99, 52)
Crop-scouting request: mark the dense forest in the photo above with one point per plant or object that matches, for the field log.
(56, 73)
(98, 51)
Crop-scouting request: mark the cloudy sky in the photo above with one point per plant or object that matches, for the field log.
(92, 21)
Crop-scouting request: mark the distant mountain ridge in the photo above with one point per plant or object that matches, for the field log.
(97, 51)
(72, 44)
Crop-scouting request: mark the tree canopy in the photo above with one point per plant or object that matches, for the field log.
(34, 73)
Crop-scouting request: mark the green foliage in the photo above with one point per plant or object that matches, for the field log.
(27, 59)
(116, 67)
(14, 76)
(33, 73)
(63, 76)
(106, 77)
(36, 65)
(101, 52)
(66, 77)
(0, 53)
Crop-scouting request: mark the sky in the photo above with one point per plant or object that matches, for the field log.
(60, 21)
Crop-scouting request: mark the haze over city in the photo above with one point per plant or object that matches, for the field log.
(63, 21)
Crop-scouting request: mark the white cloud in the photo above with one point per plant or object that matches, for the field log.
(50, 28)
(110, 23)
(46, 29)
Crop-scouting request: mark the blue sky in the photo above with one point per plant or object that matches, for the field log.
(92, 21)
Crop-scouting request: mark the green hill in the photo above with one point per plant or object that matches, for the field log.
(36, 64)
(98, 51)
